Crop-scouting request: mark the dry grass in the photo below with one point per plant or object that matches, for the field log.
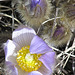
(8, 22)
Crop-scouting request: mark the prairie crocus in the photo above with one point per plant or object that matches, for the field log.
(28, 54)
(34, 12)
(58, 36)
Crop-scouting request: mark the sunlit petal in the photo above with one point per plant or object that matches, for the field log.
(35, 73)
(20, 71)
(39, 46)
(23, 35)
(10, 50)
(44, 70)
(10, 69)
(48, 60)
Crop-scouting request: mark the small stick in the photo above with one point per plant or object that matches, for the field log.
(50, 20)
(60, 62)
(54, 25)
(69, 49)
(67, 59)
(62, 52)
(2, 14)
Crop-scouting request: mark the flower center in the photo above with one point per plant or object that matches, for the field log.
(28, 62)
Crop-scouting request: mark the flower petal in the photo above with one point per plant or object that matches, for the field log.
(48, 60)
(10, 69)
(23, 35)
(39, 46)
(20, 71)
(44, 70)
(35, 73)
(10, 50)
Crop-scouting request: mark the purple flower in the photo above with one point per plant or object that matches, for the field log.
(28, 54)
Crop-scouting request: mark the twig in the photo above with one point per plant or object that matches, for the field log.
(60, 62)
(4, 22)
(69, 41)
(46, 22)
(6, 8)
(2, 14)
(67, 58)
(12, 21)
(50, 20)
(67, 50)
(62, 52)
(54, 25)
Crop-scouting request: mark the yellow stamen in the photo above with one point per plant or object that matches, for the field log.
(28, 62)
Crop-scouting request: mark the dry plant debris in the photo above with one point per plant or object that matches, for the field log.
(65, 54)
